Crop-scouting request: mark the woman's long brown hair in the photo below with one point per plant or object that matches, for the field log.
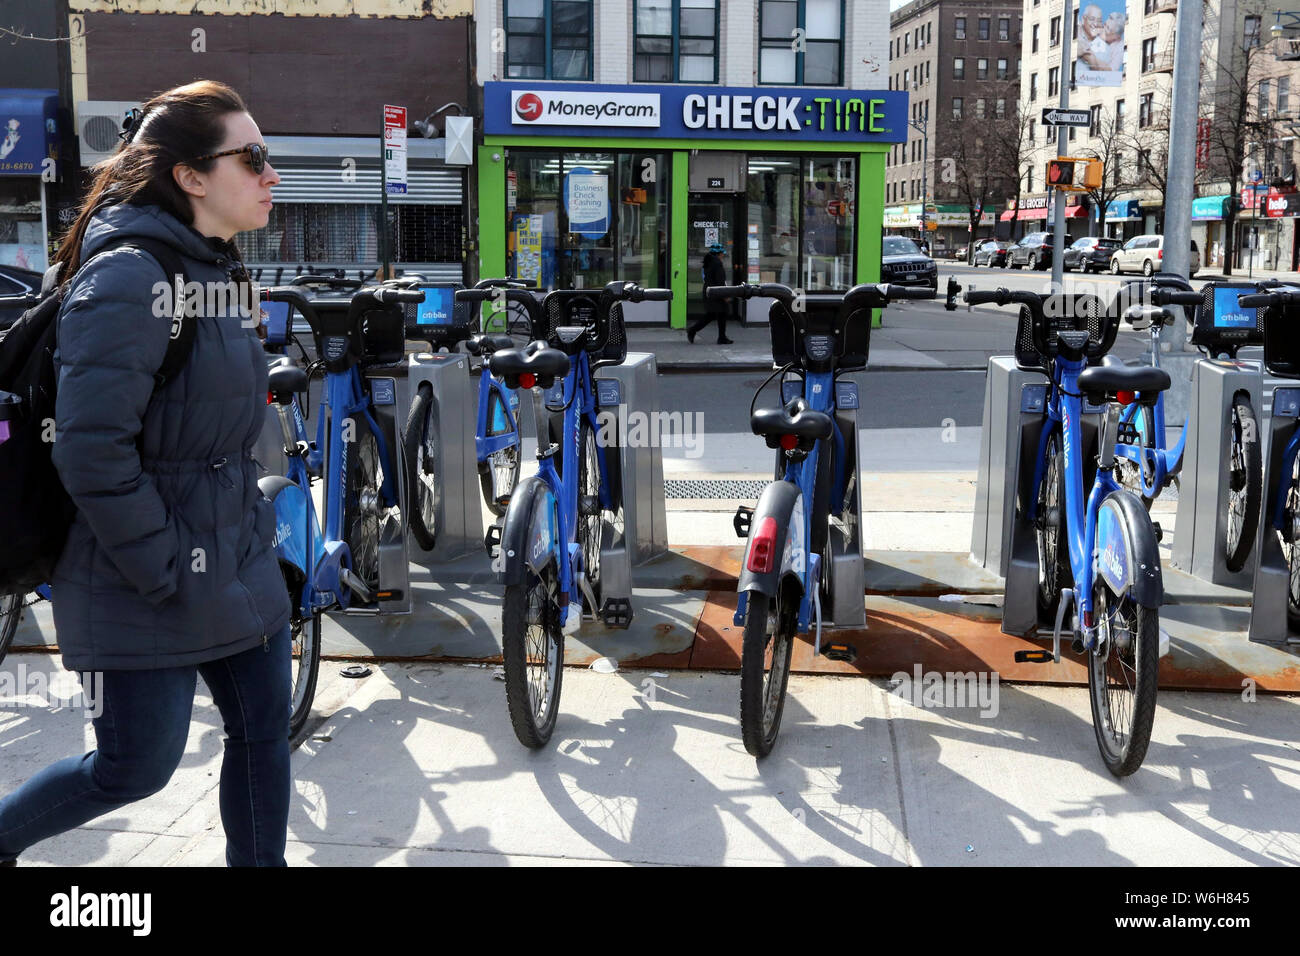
(175, 127)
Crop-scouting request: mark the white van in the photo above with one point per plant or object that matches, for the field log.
(1144, 254)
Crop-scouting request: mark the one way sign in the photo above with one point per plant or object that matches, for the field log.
(1058, 117)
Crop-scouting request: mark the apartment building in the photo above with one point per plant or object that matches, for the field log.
(623, 138)
(959, 62)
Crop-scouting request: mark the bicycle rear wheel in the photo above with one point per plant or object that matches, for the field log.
(1130, 474)
(591, 516)
(361, 503)
(304, 653)
(499, 475)
(766, 649)
(1123, 678)
(532, 646)
(421, 439)
(11, 612)
(1245, 484)
(1290, 550)
(1053, 551)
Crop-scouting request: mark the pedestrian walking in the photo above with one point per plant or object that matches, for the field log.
(168, 572)
(714, 309)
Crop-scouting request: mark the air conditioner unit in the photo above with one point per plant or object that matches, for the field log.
(98, 123)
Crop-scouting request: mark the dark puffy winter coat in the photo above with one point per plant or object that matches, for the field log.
(169, 559)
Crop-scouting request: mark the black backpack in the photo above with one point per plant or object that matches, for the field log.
(35, 510)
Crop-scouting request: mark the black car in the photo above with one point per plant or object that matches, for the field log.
(1089, 253)
(19, 290)
(903, 263)
(991, 253)
(1034, 251)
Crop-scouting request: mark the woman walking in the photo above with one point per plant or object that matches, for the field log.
(168, 572)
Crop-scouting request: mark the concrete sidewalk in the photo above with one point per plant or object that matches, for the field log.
(416, 765)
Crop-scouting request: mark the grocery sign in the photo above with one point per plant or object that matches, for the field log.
(683, 112)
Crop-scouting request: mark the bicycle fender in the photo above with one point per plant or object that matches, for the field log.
(1128, 557)
(782, 501)
(290, 504)
(529, 531)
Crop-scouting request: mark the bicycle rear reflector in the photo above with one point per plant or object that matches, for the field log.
(762, 545)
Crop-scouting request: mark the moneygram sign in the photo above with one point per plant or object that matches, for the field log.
(683, 112)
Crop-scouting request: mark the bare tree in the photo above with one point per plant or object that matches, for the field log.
(1114, 177)
(1015, 151)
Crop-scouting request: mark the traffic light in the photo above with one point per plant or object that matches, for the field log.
(1092, 174)
(1060, 172)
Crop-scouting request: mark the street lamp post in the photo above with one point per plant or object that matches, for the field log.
(922, 126)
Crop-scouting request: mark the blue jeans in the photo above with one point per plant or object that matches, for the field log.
(140, 737)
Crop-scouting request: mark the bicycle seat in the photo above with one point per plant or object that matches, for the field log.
(1102, 382)
(543, 365)
(487, 343)
(1144, 316)
(284, 379)
(796, 419)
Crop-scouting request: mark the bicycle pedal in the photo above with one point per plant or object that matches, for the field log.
(492, 540)
(741, 522)
(840, 652)
(1160, 534)
(1034, 657)
(617, 612)
(1076, 646)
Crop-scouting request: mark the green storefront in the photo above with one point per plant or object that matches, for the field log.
(580, 184)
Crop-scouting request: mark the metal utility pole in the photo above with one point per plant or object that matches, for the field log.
(923, 127)
(1058, 216)
(1182, 152)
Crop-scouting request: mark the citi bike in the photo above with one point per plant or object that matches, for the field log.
(359, 563)
(496, 435)
(1146, 465)
(548, 553)
(784, 576)
(1097, 547)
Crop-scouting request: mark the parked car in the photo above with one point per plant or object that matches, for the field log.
(962, 252)
(1034, 251)
(903, 263)
(1144, 254)
(992, 253)
(19, 290)
(1089, 253)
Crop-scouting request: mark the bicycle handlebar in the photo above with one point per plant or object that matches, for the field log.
(326, 280)
(1001, 297)
(1163, 295)
(500, 283)
(1262, 300)
(389, 296)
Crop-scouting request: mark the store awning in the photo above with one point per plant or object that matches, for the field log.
(1123, 210)
(27, 128)
(1208, 207)
(1071, 212)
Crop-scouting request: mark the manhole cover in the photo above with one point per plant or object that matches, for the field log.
(704, 488)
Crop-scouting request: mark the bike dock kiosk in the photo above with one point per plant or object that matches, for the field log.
(459, 521)
(394, 565)
(1268, 617)
(1203, 482)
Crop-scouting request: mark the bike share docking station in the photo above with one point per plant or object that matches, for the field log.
(627, 399)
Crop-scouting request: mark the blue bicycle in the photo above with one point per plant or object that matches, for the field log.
(783, 578)
(352, 565)
(1146, 466)
(554, 527)
(1097, 547)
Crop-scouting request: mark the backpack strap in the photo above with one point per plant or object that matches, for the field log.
(184, 324)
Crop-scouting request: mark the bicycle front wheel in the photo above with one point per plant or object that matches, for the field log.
(591, 520)
(1122, 678)
(1245, 484)
(361, 502)
(1053, 551)
(767, 647)
(304, 655)
(1290, 550)
(532, 645)
(11, 612)
(425, 490)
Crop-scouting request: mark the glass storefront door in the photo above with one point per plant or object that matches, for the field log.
(713, 217)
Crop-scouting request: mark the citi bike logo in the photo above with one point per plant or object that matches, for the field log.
(282, 532)
(1111, 563)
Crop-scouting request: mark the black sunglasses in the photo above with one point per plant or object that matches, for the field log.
(258, 156)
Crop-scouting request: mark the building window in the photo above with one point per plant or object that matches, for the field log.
(1033, 39)
(1145, 104)
(959, 68)
(1148, 54)
(821, 61)
(981, 69)
(1148, 7)
(1252, 32)
(1055, 32)
(548, 39)
(1031, 131)
(984, 28)
(1004, 28)
(1119, 164)
(927, 33)
(959, 28)
(956, 107)
(1094, 121)
(979, 108)
(1033, 87)
(1002, 68)
(676, 41)
(1119, 116)
(1000, 108)
(1283, 94)
(1053, 81)
(1069, 135)
(906, 43)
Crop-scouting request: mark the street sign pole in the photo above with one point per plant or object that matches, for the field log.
(382, 235)
(1184, 110)
(1058, 219)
